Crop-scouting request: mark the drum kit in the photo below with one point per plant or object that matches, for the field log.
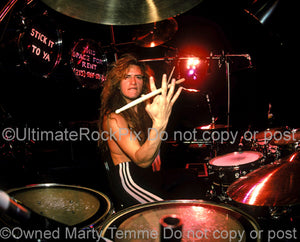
(268, 148)
(265, 173)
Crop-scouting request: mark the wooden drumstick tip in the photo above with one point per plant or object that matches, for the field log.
(145, 97)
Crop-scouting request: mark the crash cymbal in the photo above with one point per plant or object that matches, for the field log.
(212, 126)
(121, 12)
(271, 185)
(157, 33)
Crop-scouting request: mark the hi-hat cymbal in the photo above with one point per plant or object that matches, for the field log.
(271, 185)
(121, 12)
(157, 33)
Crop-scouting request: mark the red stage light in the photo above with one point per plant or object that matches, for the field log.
(191, 72)
(192, 65)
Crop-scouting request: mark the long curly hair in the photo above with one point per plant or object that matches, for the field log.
(111, 98)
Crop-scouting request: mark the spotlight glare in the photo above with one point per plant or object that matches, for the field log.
(191, 72)
(192, 63)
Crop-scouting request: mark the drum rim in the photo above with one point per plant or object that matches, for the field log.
(105, 225)
(246, 151)
(95, 222)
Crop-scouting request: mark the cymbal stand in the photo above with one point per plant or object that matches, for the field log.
(113, 41)
(10, 5)
(228, 90)
(7, 8)
(222, 59)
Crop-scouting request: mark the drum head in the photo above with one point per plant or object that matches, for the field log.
(70, 205)
(236, 158)
(40, 45)
(200, 221)
(89, 63)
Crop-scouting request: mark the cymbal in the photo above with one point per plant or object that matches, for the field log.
(268, 133)
(289, 139)
(121, 12)
(157, 33)
(271, 185)
(212, 126)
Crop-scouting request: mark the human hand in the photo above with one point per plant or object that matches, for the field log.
(161, 107)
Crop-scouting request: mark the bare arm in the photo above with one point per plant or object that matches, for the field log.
(159, 111)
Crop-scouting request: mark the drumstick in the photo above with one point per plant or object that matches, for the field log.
(170, 76)
(145, 97)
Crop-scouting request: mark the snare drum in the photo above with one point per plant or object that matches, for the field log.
(70, 205)
(200, 220)
(225, 169)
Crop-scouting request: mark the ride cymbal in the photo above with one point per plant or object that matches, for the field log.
(121, 12)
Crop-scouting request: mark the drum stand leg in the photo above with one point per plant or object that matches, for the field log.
(7, 9)
(228, 91)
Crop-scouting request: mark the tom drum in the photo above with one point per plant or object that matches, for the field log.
(225, 169)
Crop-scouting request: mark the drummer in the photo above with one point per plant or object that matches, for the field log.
(131, 144)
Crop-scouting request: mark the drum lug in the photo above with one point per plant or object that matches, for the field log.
(236, 175)
(236, 168)
(244, 173)
(221, 175)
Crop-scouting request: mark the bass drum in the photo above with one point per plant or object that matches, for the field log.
(200, 221)
(40, 45)
(70, 205)
(89, 64)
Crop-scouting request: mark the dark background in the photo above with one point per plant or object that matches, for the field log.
(59, 101)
